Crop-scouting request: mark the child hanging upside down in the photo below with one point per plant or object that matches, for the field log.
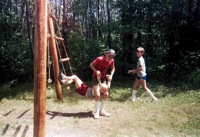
(84, 90)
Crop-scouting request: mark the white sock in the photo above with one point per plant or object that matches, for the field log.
(102, 105)
(151, 94)
(96, 106)
(134, 94)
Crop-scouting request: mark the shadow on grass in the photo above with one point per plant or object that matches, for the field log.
(79, 114)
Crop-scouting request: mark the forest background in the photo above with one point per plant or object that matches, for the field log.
(169, 30)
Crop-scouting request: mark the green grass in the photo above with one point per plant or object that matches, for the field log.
(176, 114)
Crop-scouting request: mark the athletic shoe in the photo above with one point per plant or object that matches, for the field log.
(154, 100)
(104, 113)
(96, 115)
(62, 75)
(132, 99)
(60, 79)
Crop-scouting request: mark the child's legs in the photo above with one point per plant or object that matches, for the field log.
(144, 87)
(144, 84)
(135, 84)
(76, 80)
(105, 96)
(96, 92)
(134, 91)
(102, 110)
(96, 88)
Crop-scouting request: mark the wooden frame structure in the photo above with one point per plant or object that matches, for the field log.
(43, 22)
(40, 55)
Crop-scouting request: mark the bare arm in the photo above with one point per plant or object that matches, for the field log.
(109, 77)
(92, 66)
(98, 73)
(133, 71)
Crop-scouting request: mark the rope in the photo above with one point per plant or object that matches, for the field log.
(63, 45)
(60, 57)
(49, 62)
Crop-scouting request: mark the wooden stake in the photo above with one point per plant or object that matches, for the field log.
(54, 57)
(40, 54)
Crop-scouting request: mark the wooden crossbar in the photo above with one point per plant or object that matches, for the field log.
(65, 59)
(58, 38)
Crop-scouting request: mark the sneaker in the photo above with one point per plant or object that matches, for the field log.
(132, 99)
(104, 113)
(65, 82)
(154, 100)
(96, 115)
(60, 79)
(62, 75)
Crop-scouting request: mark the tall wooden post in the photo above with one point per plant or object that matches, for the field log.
(40, 44)
(54, 55)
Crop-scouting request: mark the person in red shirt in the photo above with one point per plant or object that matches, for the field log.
(100, 66)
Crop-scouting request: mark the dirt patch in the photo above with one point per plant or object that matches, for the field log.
(74, 120)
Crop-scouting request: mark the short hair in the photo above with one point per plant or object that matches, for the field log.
(110, 51)
(141, 49)
(104, 86)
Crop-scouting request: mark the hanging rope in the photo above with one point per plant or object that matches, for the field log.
(49, 62)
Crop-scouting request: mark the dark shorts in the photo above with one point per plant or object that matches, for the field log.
(82, 89)
(144, 77)
(95, 81)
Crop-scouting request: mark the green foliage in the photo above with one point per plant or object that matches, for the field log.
(183, 54)
(13, 89)
(159, 26)
(83, 51)
(15, 54)
(169, 34)
(193, 78)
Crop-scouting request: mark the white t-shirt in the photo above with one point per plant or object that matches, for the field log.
(141, 62)
(90, 92)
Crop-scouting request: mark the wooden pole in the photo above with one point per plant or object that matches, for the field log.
(40, 44)
(54, 56)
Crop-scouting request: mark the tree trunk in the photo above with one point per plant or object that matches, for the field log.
(64, 24)
(109, 31)
(29, 26)
(98, 19)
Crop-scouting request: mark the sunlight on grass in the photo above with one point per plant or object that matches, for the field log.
(176, 113)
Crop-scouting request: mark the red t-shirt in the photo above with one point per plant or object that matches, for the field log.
(102, 65)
